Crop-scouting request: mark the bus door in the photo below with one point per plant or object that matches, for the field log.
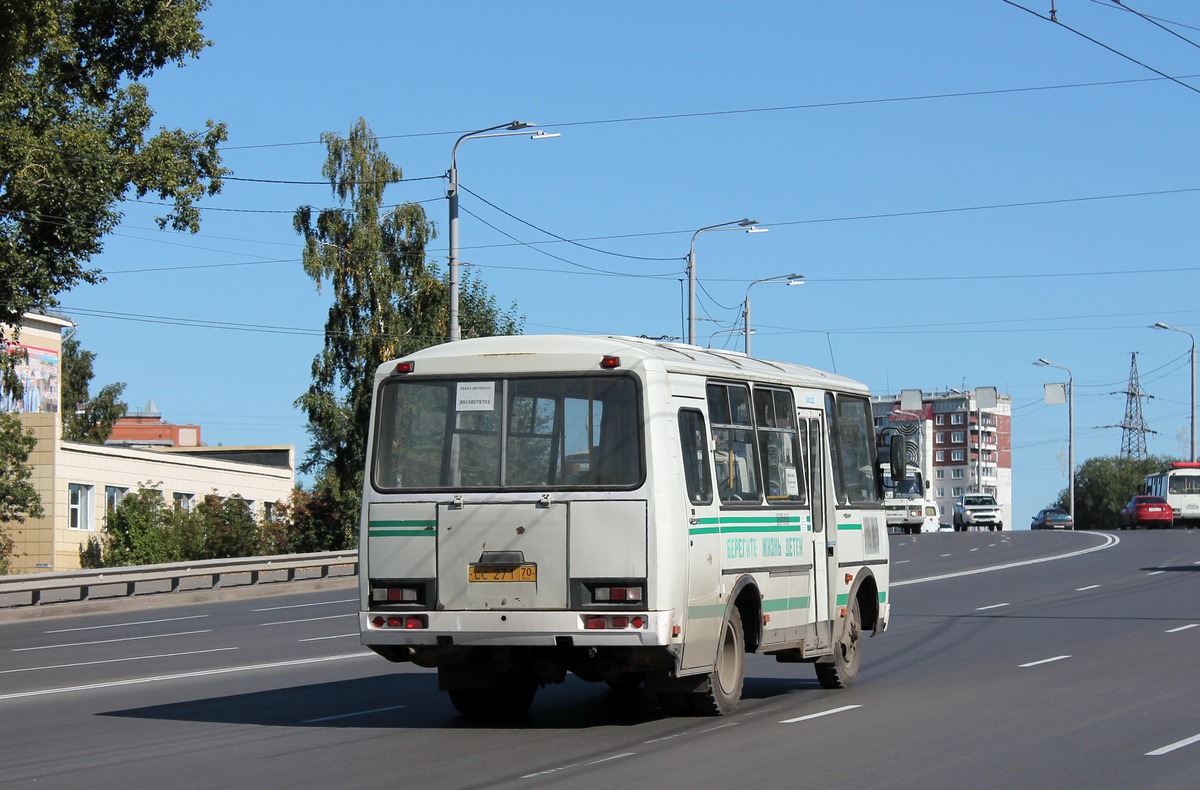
(809, 423)
(702, 618)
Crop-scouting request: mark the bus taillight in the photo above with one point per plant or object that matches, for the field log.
(409, 621)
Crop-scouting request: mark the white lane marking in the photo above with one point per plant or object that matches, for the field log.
(117, 660)
(1043, 661)
(819, 715)
(352, 715)
(303, 605)
(123, 625)
(1183, 628)
(901, 562)
(109, 641)
(975, 549)
(947, 555)
(580, 765)
(313, 619)
(993, 606)
(1155, 573)
(1109, 542)
(1170, 747)
(179, 676)
(335, 636)
(1089, 587)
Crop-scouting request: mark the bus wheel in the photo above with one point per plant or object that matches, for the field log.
(725, 681)
(840, 671)
(510, 697)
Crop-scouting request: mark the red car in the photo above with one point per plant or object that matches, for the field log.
(1147, 511)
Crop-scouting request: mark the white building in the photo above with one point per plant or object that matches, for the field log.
(78, 483)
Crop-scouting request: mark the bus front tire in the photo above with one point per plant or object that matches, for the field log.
(841, 671)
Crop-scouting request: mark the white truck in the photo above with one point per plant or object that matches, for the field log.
(978, 511)
(908, 507)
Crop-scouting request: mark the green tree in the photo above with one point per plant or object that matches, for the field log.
(18, 498)
(1104, 484)
(387, 302)
(87, 419)
(137, 532)
(74, 116)
(229, 527)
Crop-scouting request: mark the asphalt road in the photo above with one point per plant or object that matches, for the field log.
(1027, 659)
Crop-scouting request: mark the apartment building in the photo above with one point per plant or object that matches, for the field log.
(961, 442)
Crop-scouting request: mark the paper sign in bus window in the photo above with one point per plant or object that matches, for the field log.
(476, 396)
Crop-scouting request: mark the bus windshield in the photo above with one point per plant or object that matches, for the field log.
(528, 433)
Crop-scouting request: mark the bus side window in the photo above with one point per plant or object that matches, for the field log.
(734, 454)
(853, 445)
(693, 439)
(778, 446)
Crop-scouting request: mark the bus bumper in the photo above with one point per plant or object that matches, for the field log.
(521, 629)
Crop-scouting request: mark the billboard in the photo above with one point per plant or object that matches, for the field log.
(40, 375)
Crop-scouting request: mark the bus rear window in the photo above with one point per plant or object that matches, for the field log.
(529, 433)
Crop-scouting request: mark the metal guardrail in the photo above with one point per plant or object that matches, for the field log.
(30, 589)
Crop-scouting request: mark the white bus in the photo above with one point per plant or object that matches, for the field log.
(1180, 486)
(625, 510)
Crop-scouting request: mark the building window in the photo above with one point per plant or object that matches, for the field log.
(268, 511)
(957, 474)
(958, 491)
(958, 455)
(112, 497)
(939, 438)
(79, 507)
(939, 419)
(941, 492)
(940, 455)
(958, 418)
(184, 501)
(958, 437)
(940, 473)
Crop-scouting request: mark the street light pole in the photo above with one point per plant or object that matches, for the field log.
(790, 279)
(511, 128)
(1043, 362)
(1161, 325)
(748, 225)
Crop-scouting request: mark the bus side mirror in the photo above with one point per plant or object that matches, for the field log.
(897, 460)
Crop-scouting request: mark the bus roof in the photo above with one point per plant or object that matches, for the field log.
(551, 353)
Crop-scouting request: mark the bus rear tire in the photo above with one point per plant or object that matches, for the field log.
(509, 698)
(725, 681)
(841, 671)
(723, 689)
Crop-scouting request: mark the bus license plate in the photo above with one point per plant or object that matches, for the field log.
(502, 573)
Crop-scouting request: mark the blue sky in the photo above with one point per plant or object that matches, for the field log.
(966, 188)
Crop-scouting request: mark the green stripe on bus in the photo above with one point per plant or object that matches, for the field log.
(741, 524)
(843, 599)
(850, 527)
(712, 611)
(883, 597)
(402, 529)
(401, 533)
(783, 604)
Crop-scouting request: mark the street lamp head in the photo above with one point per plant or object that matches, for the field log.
(795, 279)
(543, 135)
(746, 223)
(1043, 362)
(515, 125)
